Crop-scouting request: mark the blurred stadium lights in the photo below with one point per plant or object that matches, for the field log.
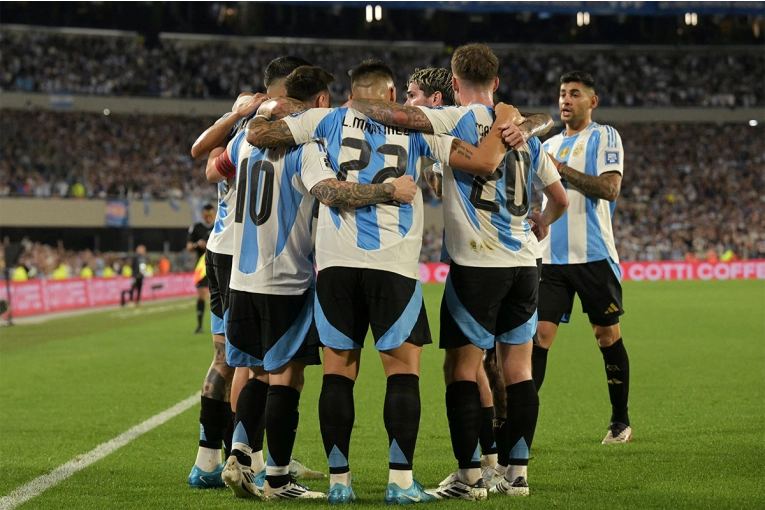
(691, 18)
(378, 12)
(369, 14)
(582, 18)
(753, 123)
(600, 7)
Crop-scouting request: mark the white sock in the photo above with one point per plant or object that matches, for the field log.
(500, 469)
(207, 459)
(400, 477)
(514, 472)
(489, 460)
(258, 464)
(469, 476)
(342, 479)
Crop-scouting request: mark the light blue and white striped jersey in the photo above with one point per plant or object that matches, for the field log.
(584, 233)
(273, 214)
(222, 236)
(485, 216)
(385, 236)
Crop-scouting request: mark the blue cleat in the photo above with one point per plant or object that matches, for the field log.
(260, 479)
(199, 479)
(395, 495)
(340, 494)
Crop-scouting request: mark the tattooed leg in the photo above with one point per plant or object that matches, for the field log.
(217, 384)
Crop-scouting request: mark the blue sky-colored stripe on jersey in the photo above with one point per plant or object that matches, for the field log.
(285, 348)
(476, 333)
(222, 208)
(329, 335)
(248, 257)
(465, 130)
(289, 197)
(368, 237)
(559, 229)
(596, 246)
(402, 328)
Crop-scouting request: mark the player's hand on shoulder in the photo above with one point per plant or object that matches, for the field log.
(508, 113)
(406, 189)
(538, 226)
(247, 103)
(513, 135)
(280, 107)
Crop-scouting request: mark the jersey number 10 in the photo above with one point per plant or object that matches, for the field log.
(261, 185)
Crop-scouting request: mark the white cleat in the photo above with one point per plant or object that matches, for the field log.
(298, 470)
(453, 488)
(240, 479)
(618, 433)
(291, 490)
(519, 487)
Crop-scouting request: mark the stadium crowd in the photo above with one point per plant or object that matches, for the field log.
(44, 62)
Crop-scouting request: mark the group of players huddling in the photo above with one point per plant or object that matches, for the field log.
(285, 156)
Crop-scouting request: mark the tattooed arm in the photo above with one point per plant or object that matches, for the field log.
(262, 133)
(536, 124)
(345, 194)
(606, 186)
(393, 114)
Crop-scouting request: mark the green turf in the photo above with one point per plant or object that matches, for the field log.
(697, 353)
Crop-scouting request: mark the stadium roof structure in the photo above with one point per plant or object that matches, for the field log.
(566, 7)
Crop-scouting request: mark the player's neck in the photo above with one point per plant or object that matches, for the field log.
(468, 97)
(575, 129)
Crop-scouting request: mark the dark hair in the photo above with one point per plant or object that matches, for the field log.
(371, 68)
(432, 80)
(579, 77)
(208, 207)
(307, 81)
(281, 67)
(475, 63)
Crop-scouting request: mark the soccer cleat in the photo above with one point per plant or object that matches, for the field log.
(493, 475)
(198, 331)
(298, 470)
(395, 495)
(241, 479)
(519, 487)
(199, 479)
(340, 494)
(453, 488)
(290, 490)
(618, 433)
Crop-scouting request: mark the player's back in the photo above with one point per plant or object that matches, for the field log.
(485, 216)
(385, 236)
(272, 217)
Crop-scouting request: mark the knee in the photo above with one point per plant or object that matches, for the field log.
(546, 334)
(606, 335)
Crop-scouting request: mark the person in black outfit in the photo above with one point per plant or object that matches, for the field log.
(138, 266)
(197, 243)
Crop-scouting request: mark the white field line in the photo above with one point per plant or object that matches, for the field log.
(154, 303)
(61, 473)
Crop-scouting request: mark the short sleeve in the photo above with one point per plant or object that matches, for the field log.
(440, 146)
(303, 125)
(545, 172)
(443, 119)
(315, 165)
(610, 152)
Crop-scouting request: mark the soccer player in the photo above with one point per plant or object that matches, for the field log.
(196, 242)
(432, 87)
(220, 385)
(579, 255)
(271, 292)
(491, 291)
(368, 270)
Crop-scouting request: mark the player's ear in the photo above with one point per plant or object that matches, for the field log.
(392, 92)
(350, 96)
(455, 85)
(496, 83)
(593, 101)
(436, 98)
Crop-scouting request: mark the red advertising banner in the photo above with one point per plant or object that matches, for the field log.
(41, 296)
(650, 271)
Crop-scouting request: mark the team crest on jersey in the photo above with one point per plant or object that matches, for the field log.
(578, 150)
(563, 154)
(612, 158)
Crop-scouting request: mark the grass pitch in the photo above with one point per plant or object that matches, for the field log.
(697, 352)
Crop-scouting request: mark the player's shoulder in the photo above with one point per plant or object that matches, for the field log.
(605, 130)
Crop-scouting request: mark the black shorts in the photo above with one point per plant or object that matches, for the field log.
(270, 330)
(218, 275)
(596, 284)
(349, 300)
(484, 305)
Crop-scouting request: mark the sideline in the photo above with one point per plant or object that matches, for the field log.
(45, 317)
(42, 483)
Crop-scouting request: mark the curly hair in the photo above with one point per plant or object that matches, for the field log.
(434, 79)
